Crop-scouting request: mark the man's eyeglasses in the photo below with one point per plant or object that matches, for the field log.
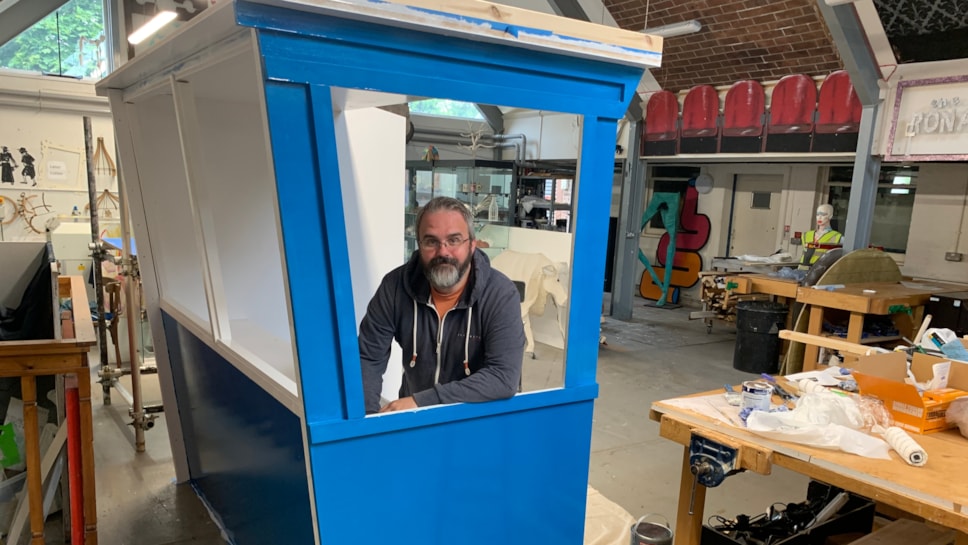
(431, 243)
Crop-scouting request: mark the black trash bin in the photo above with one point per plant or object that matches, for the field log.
(758, 324)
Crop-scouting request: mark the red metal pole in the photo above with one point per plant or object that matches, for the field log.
(74, 459)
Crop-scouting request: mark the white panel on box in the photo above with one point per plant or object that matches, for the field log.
(372, 164)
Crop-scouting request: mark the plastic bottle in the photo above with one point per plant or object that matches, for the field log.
(492, 211)
(75, 212)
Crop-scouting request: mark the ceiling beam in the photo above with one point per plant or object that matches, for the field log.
(859, 60)
(569, 8)
(493, 116)
(850, 38)
(22, 15)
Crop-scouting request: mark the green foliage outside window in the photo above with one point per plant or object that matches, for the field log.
(446, 108)
(68, 42)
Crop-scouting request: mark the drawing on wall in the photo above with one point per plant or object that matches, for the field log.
(28, 172)
(29, 210)
(7, 164)
(61, 166)
(8, 213)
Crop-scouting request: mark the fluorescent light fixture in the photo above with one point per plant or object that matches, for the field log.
(675, 29)
(152, 26)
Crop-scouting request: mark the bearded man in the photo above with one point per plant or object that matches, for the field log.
(457, 319)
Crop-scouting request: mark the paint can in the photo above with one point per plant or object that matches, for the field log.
(650, 533)
(756, 395)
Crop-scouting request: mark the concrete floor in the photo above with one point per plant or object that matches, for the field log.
(658, 355)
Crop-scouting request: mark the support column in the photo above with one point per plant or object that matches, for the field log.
(627, 230)
(863, 185)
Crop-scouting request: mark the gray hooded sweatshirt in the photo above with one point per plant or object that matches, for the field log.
(473, 354)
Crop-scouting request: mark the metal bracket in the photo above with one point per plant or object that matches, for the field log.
(711, 462)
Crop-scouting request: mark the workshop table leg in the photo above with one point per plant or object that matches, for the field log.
(35, 493)
(814, 327)
(689, 527)
(87, 456)
(855, 328)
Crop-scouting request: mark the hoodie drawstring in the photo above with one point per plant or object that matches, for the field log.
(467, 339)
(413, 359)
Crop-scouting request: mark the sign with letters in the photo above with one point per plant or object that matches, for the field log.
(930, 120)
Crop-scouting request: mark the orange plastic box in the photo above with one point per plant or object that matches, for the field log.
(882, 376)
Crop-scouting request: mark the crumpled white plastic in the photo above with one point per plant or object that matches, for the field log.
(822, 420)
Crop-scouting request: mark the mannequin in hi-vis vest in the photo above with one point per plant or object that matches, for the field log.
(822, 235)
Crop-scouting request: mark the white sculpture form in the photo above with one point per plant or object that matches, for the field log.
(540, 277)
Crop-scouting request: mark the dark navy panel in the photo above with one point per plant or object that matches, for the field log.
(510, 479)
(245, 449)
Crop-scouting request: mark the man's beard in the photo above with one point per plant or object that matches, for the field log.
(445, 272)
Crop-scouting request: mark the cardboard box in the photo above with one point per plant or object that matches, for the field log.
(882, 376)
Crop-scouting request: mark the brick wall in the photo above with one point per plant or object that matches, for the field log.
(740, 39)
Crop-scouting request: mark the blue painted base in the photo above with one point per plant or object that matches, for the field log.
(516, 478)
(245, 449)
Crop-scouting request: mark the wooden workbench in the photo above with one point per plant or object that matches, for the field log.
(938, 492)
(784, 288)
(860, 300)
(30, 359)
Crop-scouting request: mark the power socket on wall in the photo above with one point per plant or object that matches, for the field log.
(952, 256)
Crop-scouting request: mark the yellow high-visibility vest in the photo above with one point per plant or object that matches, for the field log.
(811, 255)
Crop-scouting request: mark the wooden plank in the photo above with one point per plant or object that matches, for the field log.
(83, 323)
(42, 347)
(39, 365)
(833, 343)
(35, 493)
(515, 25)
(780, 287)
(87, 458)
(814, 327)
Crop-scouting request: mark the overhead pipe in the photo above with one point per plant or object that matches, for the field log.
(419, 136)
(521, 151)
(524, 143)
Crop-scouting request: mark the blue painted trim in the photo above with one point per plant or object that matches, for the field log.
(322, 432)
(514, 479)
(517, 30)
(334, 220)
(312, 48)
(306, 245)
(309, 48)
(592, 204)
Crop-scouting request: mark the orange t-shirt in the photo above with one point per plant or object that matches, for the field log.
(443, 302)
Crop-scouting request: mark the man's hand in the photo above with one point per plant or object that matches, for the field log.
(401, 404)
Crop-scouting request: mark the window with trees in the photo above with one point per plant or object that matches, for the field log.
(68, 42)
